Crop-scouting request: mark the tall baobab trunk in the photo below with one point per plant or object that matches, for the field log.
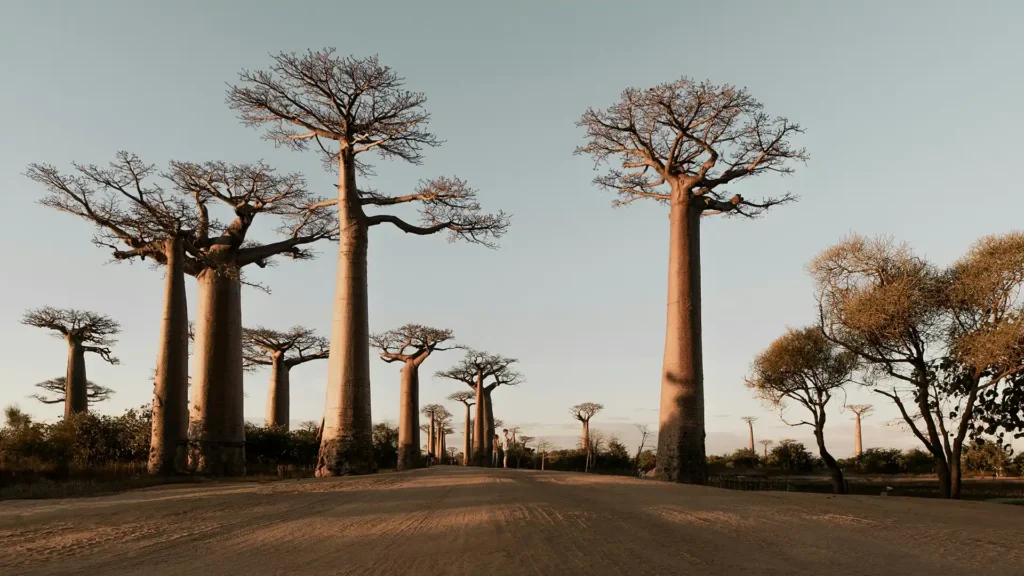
(681, 456)
(468, 440)
(278, 397)
(76, 392)
(489, 425)
(216, 429)
(432, 440)
(347, 444)
(481, 440)
(168, 448)
(408, 419)
(751, 424)
(858, 442)
(442, 444)
(586, 444)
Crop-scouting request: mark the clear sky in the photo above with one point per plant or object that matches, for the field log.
(912, 121)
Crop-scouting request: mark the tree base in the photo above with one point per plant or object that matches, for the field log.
(409, 458)
(338, 458)
(212, 458)
(169, 464)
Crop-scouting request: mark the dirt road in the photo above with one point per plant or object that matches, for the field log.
(473, 521)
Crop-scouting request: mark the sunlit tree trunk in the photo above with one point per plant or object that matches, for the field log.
(467, 442)
(681, 456)
(76, 393)
(858, 442)
(489, 426)
(408, 419)
(480, 438)
(279, 395)
(217, 426)
(586, 444)
(347, 443)
(168, 449)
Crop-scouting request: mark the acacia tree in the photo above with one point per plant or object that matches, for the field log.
(938, 339)
(584, 412)
(750, 422)
(216, 422)
(802, 366)
(766, 444)
(483, 372)
(84, 332)
(350, 107)
(645, 432)
(411, 345)
(57, 391)
(139, 220)
(282, 351)
(859, 412)
(467, 398)
(679, 144)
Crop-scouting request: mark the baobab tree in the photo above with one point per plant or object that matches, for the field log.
(84, 332)
(216, 428)
(679, 144)
(468, 399)
(282, 351)
(442, 419)
(750, 422)
(57, 391)
(766, 444)
(483, 372)
(584, 412)
(431, 411)
(859, 412)
(139, 220)
(802, 366)
(349, 107)
(411, 345)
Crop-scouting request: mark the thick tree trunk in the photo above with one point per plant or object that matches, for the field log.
(408, 419)
(216, 429)
(347, 444)
(168, 447)
(586, 445)
(279, 394)
(480, 438)
(955, 475)
(681, 456)
(858, 443)
(489, 425)
(431, 440)
(838, 483)
(467, 441)
(751, 437)
(76, 391)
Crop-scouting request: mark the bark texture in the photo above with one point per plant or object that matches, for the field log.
(168, 449)
(347, 444)
(681, 454)
(76, 399)
(279, 394)
(217, 425)
(408, 419)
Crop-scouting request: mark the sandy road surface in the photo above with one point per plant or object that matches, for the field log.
(473, 521)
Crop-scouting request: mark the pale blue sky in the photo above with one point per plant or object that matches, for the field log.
(911, 112)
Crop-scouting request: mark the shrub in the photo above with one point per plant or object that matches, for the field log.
(792, 456)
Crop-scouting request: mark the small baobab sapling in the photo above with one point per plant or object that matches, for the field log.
(281, 351)
(57, 389)
(679, 144)
(802, 366)
(468, 399)
(84, 332)
(348, 108)
(140, 220)
(411, 345)
(859, 412)
(584, 412)
(750, 422)
(483, 373)
(766, 444)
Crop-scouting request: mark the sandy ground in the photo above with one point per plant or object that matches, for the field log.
(472, 521)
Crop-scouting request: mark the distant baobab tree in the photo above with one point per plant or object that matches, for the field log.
(282, 351)
(803, 366)
(766, 444)
(84, 332)
(483, 372)
(57, 387)
(411, 345)
(468, 399)
(442, 425)
(750, 422)
(431, 411)
(680, 143)
(138, 220)
(859, 411)
(584, 412)
(348, 107)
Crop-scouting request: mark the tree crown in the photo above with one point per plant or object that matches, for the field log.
(58, 387)
(296, 346)
(467, 397)
(483, 366)
(411, 343)
(585, 411)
